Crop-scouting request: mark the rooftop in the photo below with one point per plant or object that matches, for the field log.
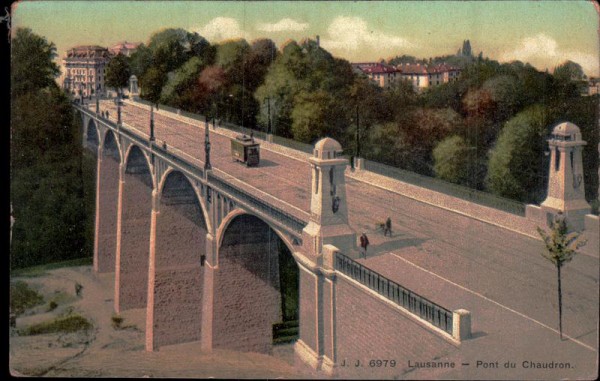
(374, 68)
(88, 51)
(418, 68)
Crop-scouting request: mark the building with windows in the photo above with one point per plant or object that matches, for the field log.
(383, 75)
(85, 70)
(423, 76)
(125, 48)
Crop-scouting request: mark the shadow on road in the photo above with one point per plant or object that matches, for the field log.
(386, 247)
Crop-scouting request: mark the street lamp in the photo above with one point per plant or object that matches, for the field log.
(357, 134)
(229, 106)
(268, 99)
(207, 165)
(152, 123)
(119, 110)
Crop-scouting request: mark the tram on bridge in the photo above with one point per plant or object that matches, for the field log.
(244, 149)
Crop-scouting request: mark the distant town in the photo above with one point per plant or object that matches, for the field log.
(85, 70)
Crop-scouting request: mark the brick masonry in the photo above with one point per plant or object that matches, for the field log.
(247, 301)
(180, 241)
(135, 237)
(368, 328)
(308, 308)
(108, 180)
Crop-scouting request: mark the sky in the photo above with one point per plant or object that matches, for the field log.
(543, 33)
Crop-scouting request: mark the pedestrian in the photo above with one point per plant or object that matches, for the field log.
(107, 116)
(388, 227)
(364, 243)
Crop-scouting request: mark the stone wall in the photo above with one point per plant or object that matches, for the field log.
(108, 196)
(180, 241)
(135, 242)
(247, 301)
(369, 328)
(308, 308)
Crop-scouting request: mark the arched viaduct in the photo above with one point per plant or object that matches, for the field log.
(215, 261)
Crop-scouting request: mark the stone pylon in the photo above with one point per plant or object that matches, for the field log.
(328, 208)
(566, 188)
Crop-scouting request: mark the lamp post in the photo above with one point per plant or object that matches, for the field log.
(97, 104)
(152, 123)
(207, 165)
(357, 134)
(269, 115)
(118, 110)
(229, 106)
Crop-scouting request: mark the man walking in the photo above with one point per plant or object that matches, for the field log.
(388, 227)
(364, 243)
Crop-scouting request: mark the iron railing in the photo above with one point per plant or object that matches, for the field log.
(459, 191)
(412, 302)
(293, 223)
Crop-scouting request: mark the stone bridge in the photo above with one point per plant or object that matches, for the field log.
(224, 254)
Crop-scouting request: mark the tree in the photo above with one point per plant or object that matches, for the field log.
(569, 71)
(118, 72)
(516, 162)
(315, 116)
(171, 48)
(466, 48)
(140, 60)
(31, 61)
(51, 177)
(181, 88)
(561, 247)
(151, 84)
(451, 160)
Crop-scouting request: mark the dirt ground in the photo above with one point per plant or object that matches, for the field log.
(108, 352)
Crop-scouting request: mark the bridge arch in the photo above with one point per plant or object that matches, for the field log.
(92, 135)
(238, 212)
(161, 187)
(180, 244)
(256, 286)
(137, 162)
(137, 186)
(110, 146)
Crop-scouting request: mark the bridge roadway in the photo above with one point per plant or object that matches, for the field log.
(454, 260)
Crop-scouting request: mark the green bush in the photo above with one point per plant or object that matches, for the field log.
(52, 306)
(22, 297)
(71, 323)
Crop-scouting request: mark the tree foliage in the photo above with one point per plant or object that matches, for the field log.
(450, 158)
(51, 178)
(31, 61)
(118, 72)
(516, 163)
(561, 247)
(305, 93)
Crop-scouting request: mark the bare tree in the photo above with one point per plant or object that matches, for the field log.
(561, 247)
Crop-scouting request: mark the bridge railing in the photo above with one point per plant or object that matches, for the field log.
(459, 191)
(425, 309)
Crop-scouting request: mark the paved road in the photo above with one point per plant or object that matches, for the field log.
(451, 259)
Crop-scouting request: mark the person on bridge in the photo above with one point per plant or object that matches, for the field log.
(388, 227)
(364, 243)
